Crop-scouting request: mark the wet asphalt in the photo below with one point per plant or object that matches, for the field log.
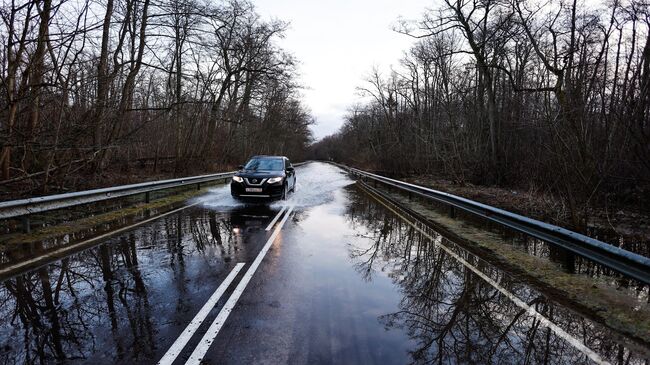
(346, 281)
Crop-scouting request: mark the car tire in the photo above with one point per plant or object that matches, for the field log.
(285, 191)
(293, 188)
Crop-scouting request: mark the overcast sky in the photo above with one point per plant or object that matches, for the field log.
(337, 43)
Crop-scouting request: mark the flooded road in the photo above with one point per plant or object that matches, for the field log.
(329, 276)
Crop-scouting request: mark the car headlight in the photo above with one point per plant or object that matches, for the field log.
(274, 180)
(237, 179)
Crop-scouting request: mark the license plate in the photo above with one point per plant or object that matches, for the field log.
(253, 190)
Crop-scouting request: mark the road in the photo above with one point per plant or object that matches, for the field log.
(336, 278)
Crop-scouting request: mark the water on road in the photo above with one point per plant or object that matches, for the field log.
(328, 276)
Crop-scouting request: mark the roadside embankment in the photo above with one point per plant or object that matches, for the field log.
(629, 228)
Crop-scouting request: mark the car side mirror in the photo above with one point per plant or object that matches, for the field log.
(290, 169)
(240, 167)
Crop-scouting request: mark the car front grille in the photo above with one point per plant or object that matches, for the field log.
(254, 181)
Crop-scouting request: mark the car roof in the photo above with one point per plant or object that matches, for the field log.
(267, 156)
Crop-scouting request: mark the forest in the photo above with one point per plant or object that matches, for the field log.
(552, 96)
(103, 92)
(548, 96)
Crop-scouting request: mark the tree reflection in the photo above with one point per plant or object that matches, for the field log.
(97, 304)
(454, 315)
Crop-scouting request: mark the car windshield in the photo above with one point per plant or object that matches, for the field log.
(264, 164)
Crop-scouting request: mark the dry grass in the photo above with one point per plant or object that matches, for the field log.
(624, 227)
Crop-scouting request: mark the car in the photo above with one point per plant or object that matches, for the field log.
(264, 178)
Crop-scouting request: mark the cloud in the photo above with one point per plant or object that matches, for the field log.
(337, 43)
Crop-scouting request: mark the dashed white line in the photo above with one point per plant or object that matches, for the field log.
(207, 339)
(185, 336)
(268, 228)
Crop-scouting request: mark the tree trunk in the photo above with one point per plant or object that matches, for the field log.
(102, 79)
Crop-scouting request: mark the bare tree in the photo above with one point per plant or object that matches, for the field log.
(93, 88)
(517, 94)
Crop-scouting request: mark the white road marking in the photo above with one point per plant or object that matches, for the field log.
(591, 354)
(78, 245)
(212, 332)
(185, 336)
(268, 228)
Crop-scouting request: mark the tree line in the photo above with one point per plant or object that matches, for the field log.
(98, 86)
(514, 93)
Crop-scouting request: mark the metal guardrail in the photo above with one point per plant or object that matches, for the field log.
(628, 263)
(25, 207)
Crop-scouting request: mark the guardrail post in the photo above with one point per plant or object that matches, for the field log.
(198, 186)
(452, 211)
(147, 197)
(26, 225)
(570, 263)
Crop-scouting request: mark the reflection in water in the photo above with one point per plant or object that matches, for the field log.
(457, 317)
(57, 314)
(111, 303)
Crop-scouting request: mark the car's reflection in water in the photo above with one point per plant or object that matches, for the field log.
(113, 303)
(251, 217)
(457, 317)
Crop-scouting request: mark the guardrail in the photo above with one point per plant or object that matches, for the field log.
(623, 261)
(24, 207)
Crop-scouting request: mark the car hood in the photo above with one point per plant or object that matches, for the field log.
(259, 174)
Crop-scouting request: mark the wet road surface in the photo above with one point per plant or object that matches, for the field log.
(337, 278)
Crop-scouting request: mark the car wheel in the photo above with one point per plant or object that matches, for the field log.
(285, 190)
(293, 188)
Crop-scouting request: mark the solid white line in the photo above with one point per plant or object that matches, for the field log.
(185, 336)
(520, 303)
(268, 228)
(76, 246)
(203, 346)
